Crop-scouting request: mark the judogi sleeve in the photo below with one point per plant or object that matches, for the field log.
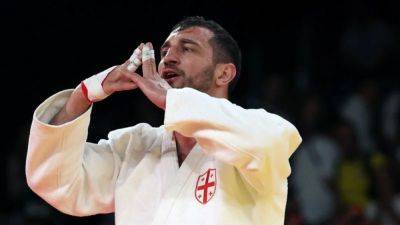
(74, 176)
(256, 142)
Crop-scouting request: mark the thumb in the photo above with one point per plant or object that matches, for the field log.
(149, 88)
(139, 80)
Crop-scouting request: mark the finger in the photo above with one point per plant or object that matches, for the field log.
(141, 46)
(128, 86)
(136, 59)
(151, 89)
(126, 82)
(124, 67)
(125, 64)
(136, 78)
(148, 60)
(138, 52)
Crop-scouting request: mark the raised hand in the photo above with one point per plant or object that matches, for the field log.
(105, 83)
(121, 77)
(151, 84)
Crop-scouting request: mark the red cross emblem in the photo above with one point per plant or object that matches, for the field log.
(206, 186)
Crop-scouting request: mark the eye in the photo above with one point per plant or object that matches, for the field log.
(186, 49)
(163, 52)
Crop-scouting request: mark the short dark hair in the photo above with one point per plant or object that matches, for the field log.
(225, 48)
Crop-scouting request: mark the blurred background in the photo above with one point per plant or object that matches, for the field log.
(330, 67)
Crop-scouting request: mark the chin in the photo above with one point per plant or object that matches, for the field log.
(177, 85)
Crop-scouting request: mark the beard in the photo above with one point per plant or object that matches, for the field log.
(201, 82)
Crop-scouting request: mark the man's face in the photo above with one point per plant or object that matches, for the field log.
(186, 59)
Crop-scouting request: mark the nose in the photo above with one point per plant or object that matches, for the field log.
(171, 57)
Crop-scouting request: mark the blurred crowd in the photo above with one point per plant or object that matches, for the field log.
(347, 169)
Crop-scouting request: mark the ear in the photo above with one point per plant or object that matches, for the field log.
(225, 72)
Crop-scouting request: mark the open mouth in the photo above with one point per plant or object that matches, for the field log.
(170, 76)
(171, 80)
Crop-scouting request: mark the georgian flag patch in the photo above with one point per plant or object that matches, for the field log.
(206, 186)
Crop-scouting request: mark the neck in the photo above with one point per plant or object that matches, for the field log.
(184, 145)
(218, 93)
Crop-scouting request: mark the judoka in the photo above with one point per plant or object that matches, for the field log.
(211, 163)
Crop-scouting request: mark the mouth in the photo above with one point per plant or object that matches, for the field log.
(170, 76)
(171, 80)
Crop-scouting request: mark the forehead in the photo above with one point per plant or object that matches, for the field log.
(198, 34)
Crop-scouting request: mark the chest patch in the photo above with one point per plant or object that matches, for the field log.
(206, 186)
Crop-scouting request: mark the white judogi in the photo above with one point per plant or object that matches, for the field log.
(236, 174)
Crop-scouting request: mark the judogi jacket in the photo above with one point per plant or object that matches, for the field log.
(236, 174)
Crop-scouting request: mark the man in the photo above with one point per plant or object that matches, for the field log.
(212, 162)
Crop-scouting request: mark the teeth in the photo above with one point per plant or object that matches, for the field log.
(170, 74)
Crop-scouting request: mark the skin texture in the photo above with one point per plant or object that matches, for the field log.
(188, 55)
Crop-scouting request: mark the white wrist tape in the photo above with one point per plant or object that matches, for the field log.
(147, 54)
(135, 60)
(92, 87)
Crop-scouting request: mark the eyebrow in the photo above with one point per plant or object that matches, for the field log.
(189, 41)
(183, 41)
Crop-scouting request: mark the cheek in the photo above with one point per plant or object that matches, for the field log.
(193, 66)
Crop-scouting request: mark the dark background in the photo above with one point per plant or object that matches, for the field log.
(302, 60)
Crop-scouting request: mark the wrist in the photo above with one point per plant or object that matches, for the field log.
(92, 87)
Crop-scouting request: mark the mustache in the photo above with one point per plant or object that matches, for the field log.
(176, 69)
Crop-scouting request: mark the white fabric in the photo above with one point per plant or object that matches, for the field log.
(136, 174)
(94, 86)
